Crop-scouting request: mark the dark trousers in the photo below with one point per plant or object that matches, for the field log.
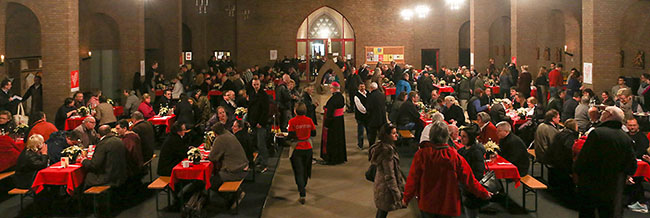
(381, 214)
(360, 128)
(605, 209)
(431, 215)
(372, 135)
(301, 165)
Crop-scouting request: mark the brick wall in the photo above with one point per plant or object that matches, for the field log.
(483, 13)
(167, 16)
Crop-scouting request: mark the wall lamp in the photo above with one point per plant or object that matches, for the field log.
(90, 55)
(566, 51)
(2, 60)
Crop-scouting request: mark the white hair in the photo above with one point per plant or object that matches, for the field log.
(616, 114)
(504, 125)
(374, 86)
(439, 133)
(437, 116)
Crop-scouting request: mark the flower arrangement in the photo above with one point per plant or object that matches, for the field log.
(431, 112)
(269, 86)
(83, 111)
(522, 112)
(387, 82)
(420, 105)
(217, 86)
(194, 155)
(161, 86)
(491, 149)
(163, 111)
(240, 112)
(110, 101)
(72, 153)
(208, 140)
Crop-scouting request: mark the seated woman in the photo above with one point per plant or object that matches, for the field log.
(145, 107)
(453, 112)
(30, 161)
(220, 117)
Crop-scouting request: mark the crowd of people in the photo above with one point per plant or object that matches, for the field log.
(539, 112)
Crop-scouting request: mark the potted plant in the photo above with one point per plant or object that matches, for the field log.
(72, 153)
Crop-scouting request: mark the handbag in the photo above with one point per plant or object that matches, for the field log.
(491, 183)
(370, 173)
(20, 118)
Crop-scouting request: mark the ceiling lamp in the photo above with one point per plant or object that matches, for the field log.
(422, 11)
(455, 4)
(407, 14)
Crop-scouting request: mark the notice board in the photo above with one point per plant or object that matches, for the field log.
(384, 54)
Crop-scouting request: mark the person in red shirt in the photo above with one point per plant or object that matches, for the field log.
(435, 175)
(301, 129)
(555, 79)
(41, 126)
(488, 130)
(145, 107)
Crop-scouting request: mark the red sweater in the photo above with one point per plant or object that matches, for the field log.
(434, 177)
(487, 133)
(555, 78)
(146, 110)
(43, 128)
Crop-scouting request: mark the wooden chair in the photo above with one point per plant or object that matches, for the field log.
(161, 184)
(148, 164)
(232, 186)
(531, 185)
(406, 134)
(97, 191)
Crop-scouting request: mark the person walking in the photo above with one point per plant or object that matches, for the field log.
(301, 129)
(389, 182)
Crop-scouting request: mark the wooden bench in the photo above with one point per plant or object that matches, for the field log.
(531, 185)
(230, 187)
(161, 184)
(7, 174)
(22, 193)
(96, 191)
(148, 164)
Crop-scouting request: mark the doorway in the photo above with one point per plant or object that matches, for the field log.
(430, 57)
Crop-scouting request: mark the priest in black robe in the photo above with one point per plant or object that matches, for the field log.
(333, 136)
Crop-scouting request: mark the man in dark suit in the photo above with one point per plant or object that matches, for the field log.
(108, 165)
(498, 111)
(258, 112)
(173, 150)
(240, 131)
(377, 113)
(144, 129)
(228, 103)
(605, 164)
(408, 117)
(184, 112)
(425, 86)
(7, 101)
(36, 93)
(512, 147)
(396, 68)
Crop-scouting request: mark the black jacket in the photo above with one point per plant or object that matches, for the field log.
(173, 151)
(363, 117)
(282, 97)
(514, 150)
(61, 116)
(377, 113)
(28, 164)
(569, 109)
(230, 109)
(245, 140)
(408, 113)
(456, 113)
(555, 103)
(311, 107)
(640, 144)
(37, 97)
(498, 114)
(145, 130)
(605, 160)
(185, 113)
(258, 108)
(560, 152)
(108, 166)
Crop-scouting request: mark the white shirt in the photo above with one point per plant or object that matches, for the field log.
(358, 104)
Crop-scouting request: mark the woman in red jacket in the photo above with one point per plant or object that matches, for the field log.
(435, 175)
(145, 107)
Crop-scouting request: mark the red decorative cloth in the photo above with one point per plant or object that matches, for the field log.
(159, 92)
(72, 177)
(166, 120)
(271, 92)
(118, 111)
(202, 171)
(442, 89)
(9, 152)
(488, 133)
(73, 122)
(213, 93)
(504, 170)
(642, 169)
(390, 91)
(495, 89)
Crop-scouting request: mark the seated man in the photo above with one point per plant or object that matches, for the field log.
(627, 103)
(512, 147)
(408, 117)
(498, 111)
(107, 167)
(173, 150)
(228, 157)
(41, 126)
(58, 141)
(87, 132)
(240, 130)
(545, 134)
(6, 124)
(488, 130)
(132, 143)
(145, 131)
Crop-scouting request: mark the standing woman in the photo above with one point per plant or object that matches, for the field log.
(301, 129)
(574, 84)
(389, 182)
(505, 82)
(473, 152)
(541, 82)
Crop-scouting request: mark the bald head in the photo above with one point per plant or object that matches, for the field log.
(594, 115)
(104, 130)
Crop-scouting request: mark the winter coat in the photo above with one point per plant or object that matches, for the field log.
(543, 139)
(389, 182)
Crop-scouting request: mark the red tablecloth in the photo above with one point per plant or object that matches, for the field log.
(504, 170)
(202, 171)
(642, 169)
(390, 91)
(72, 177)
(271, 92)
(159, 92)
(118, 111)
(425, 120)
(442, 89)
(213, 93)
(495, 89)
(166, 120)
(73, 122)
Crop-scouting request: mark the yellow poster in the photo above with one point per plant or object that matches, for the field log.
(389, 58)
(379, 51)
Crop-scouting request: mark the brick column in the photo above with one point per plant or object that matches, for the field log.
(60, 50)
(522, 32)
(481, 15)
